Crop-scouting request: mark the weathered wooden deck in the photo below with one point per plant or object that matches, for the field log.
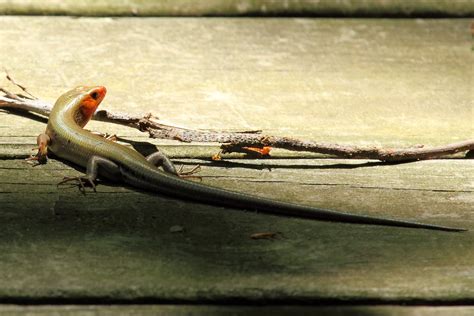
(355, 81)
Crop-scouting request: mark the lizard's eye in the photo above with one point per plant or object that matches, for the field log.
(94, 95)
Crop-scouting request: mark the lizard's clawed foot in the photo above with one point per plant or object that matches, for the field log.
(111, 137)
(43, 140)
(190, 173)
(36, 160)
(82, 181)
(42, 156)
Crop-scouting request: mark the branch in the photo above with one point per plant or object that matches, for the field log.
(354, 152)
(241, 141)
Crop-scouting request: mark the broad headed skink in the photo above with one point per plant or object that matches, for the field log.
(66, 138)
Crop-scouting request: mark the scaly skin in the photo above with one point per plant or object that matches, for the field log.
(67, 139)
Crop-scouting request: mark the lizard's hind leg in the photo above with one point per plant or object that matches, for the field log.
(108, 169)
(158, 159)
(161, 160)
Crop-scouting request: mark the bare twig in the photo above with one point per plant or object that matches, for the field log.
(15, 101)
(7, 75)
(354, 152)
(236, 141)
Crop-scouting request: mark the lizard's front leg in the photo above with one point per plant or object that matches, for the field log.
(43, 140)
(108, 168)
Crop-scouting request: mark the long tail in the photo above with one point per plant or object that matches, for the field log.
(176, 187)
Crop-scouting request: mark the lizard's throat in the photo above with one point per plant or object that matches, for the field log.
(82, 117)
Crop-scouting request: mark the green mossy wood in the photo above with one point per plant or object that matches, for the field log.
(397, 8)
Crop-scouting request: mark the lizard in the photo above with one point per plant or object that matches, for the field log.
(102, 158)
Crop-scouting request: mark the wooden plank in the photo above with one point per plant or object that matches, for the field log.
(55, 242)
(207, 310)
(398, 8)
(366, 82)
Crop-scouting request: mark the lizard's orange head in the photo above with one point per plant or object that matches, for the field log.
(90, 98)
(80, 102)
